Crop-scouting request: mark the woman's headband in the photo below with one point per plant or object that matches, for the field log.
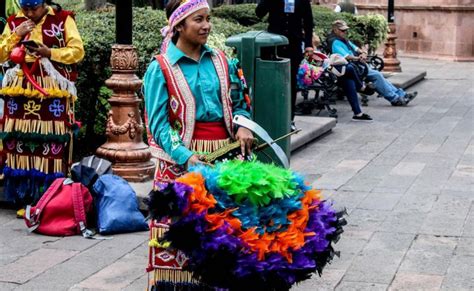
(30, 3)
(186, 8)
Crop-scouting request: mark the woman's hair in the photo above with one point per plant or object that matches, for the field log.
(170, 8)
(51, 3)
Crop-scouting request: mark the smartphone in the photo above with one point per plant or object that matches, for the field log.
(30, 43)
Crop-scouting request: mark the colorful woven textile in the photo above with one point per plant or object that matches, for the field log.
(247, 225)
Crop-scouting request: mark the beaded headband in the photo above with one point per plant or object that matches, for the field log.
(186, 8)
(30, 3)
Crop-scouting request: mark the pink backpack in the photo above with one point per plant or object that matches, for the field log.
(61, 211)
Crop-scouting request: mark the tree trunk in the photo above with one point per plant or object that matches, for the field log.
(94, 4)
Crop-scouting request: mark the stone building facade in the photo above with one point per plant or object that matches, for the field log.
(439, 29)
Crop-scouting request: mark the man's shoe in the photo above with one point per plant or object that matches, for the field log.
(410, 96)
(364, 117)
(400, 102)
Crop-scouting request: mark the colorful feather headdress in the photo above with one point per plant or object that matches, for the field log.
(247, 225)
(186, 8)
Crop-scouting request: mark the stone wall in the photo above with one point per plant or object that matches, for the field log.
(441, 29)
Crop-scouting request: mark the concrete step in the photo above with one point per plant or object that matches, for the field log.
(405, 79)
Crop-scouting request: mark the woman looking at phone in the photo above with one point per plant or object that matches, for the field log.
(44, 44)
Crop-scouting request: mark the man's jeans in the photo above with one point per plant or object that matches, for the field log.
(384, 87)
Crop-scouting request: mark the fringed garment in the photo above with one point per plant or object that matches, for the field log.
(36, 139)
(166, 263)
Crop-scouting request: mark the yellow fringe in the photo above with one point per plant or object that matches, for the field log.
(17, 89)
(208, 146)
(57, 127)
(27, 163)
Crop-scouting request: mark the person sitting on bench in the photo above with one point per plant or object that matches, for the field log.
(339, 44)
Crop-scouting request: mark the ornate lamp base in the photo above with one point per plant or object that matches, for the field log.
(125, 147)
(392, 64)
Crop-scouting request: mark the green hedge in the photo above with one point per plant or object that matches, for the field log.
(370, 29)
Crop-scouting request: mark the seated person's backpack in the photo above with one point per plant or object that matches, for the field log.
(61, 211)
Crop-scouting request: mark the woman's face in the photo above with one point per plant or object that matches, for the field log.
(35, 13)
(196, 27)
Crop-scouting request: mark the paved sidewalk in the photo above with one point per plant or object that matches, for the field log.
(406, 179)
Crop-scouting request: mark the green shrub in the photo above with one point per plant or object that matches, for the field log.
(244, 14)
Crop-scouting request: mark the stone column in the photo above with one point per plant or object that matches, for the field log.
(125, 147)
(392, 64)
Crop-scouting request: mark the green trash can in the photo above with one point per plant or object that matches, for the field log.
(268, 79)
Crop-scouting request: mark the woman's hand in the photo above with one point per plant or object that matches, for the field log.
(246, 139)
(24, 28)
(41, 51)
(196, 160)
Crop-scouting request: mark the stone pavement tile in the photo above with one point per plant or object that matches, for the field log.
(467, 159)
(347, 199)
(417, 201)
(379, 260)
(4, 286)
(430, 142)
(380, 201)
(73, 243)
(425, 148)
(334, 179)
(394, 184)
(429, 255)
(442, 225)
(468, 230)
(140, 283)
(462, 181)
(88, 262)
(350, 245)
(354, 165)
(360, 184)
(407, 169)
(360, 286)
(374, 171)
(436, 160)
(470, 150)
(7, 215)
(387, 159)
(454, 204)
(17, 242)
(414, 281)
(465, 247)
(445, 125)
(366, 220)
(119, 274)
(404, 222)
(328, 281)
(460, 274)
(455, 144)
(32, 265)
(463, 170)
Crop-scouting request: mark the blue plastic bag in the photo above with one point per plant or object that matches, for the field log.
(117, 207)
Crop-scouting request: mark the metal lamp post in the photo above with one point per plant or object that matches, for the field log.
(125, 147)
(392, 64)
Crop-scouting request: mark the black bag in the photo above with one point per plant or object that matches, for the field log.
(89, 169)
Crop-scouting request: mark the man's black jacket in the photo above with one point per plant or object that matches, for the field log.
(297, 26)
